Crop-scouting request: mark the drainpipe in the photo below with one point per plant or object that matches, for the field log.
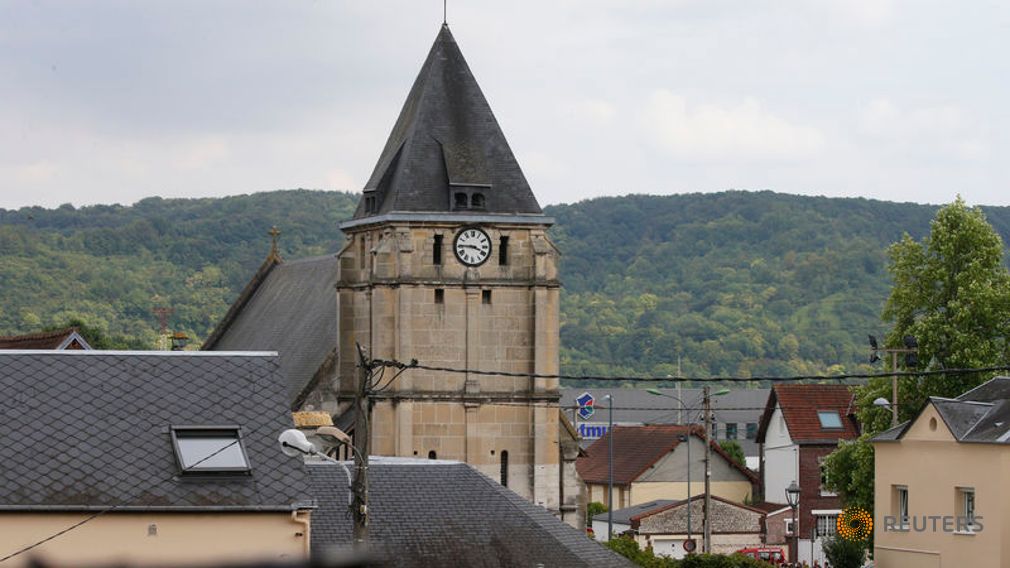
(304, 520)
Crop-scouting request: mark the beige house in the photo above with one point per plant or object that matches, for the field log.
(147, 458)
(651, 463)
(941, 493)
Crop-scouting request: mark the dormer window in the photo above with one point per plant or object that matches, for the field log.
(830, 420)
(209, 450)
(465, 196)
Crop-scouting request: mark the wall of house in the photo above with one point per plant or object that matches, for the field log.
(156, 538)
(932, 465)
(781, 459)
(737, 491)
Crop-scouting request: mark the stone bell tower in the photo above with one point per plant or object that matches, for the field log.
(448, 262)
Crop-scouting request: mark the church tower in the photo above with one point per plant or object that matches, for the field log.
(447, 261)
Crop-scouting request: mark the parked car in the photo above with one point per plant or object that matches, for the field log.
(773, 556)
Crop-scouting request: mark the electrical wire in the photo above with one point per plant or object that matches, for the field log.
(109, 509)
(680, 379)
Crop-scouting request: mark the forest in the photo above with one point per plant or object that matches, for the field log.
(730, 283)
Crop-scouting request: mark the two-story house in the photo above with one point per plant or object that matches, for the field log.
(800, 426)
(652, 462)
(940, 493)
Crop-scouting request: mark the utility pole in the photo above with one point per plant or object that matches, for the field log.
(610, 466)
(707, 524)
(894, 388)
(362, 447)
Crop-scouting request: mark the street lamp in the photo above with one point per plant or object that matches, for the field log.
(911, 351)
(707, 399)
(793, 499)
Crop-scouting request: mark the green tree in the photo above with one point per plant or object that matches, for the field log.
(732, 447)
(952, 293)
(844, 553)
(592, 509)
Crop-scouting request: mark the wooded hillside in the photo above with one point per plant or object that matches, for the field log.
(731, 283)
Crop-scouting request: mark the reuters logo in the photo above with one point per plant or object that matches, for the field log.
(854, 524)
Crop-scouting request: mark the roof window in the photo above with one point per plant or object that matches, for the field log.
(830, 420)
(209, 449)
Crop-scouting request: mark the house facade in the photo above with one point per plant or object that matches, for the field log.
(651, 463)
(163, 458)
(940, 493)
(801, 425)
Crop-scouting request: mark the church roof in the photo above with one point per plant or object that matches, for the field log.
(446, 141)
(289, 307)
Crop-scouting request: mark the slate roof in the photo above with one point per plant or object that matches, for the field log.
(800, 404)
(426, 512)
(624, 516)
(55, 339)
(289, 307)
(636, 406)
(981, 415)
(636, 448)
(446, 136)
(84, 430)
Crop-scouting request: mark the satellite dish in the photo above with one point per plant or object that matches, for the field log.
(294, 443)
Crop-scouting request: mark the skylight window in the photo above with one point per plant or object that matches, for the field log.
(209, 449)
(829, 419)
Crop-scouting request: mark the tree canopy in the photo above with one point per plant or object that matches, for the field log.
(951, 293)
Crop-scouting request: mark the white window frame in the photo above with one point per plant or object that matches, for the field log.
(902, 506)
(788, 523)
(830, 525)
(820, 483)
(968, 506)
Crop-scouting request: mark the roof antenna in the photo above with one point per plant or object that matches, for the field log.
(445, 10)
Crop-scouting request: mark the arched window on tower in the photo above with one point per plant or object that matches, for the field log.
(460, 200)
(505, 468)
(477, 201)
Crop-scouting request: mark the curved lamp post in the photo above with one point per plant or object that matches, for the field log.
(793, 499)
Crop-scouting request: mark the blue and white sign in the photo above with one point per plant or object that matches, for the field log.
(592, 430)
(586, 404)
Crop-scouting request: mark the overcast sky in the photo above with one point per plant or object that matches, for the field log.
(113, 101)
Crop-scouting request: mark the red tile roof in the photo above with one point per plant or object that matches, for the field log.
(800, 405)
(635, 449)
(43, 340)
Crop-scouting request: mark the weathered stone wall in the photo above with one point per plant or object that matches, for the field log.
(499, 316)
(725, 518)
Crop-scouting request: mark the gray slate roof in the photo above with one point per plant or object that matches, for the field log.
(981, 415)
(442, 513)
(446, 135)
(84, 430)
(291, 310)
(635, 406)
(623, 516)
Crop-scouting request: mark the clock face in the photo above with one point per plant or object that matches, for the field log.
(472, 246)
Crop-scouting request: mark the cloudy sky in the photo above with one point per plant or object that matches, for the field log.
(106, 101)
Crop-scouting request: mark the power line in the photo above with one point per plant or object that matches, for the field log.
(413, 364)
(109, 509)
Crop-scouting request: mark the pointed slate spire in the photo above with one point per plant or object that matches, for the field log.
(446, 153)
